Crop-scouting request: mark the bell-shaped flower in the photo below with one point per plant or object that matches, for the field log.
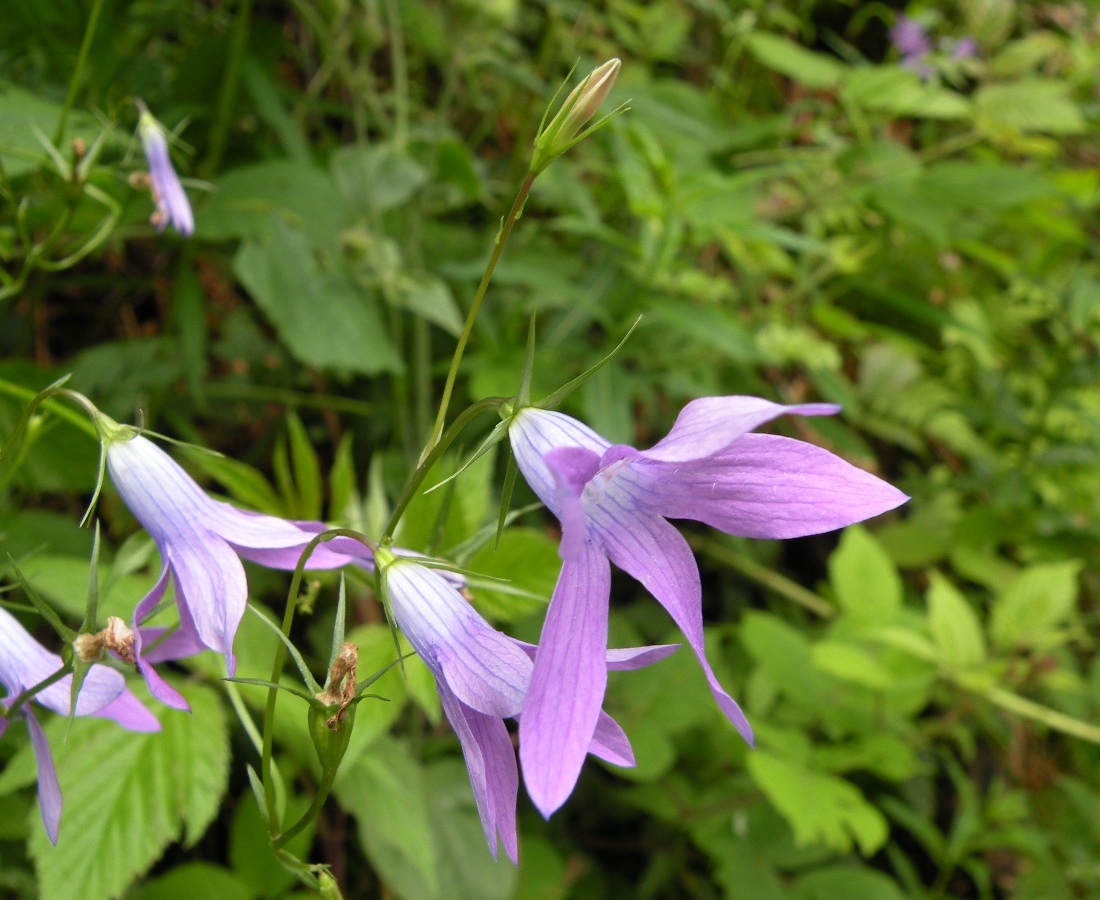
(483, 676)
(201, 543)
(25, 663)
(173, 207)
(613, 502)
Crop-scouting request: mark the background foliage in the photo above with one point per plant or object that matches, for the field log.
(795, 214)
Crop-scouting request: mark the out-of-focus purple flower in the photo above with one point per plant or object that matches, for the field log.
(482, 676)
(23, 664)
(910, 40)
(201, 543)
(171, 199)
(612, 502)
(964, 48)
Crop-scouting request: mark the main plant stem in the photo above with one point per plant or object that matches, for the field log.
(452, 374)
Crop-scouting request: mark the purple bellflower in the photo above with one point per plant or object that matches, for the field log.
(172, 205)
(201, 543)
(482, 676)
(23, 664)
(613, 501)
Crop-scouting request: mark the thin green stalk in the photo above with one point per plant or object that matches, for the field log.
(223, 112)
(764, 576)
(452, 374)
(78, 71)
(430, 458)
(399, 66)
(277, 671)
(319, 798)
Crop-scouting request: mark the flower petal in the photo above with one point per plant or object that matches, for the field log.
(210, 582)
(535, 432)
(766, 486)
(627, 658)
(158, 687)
(491, 762)
(610, 743)
(710, 424)
(484, 668)
(568, 682)
(49, 791)
(653, 551)
(24, 663)
(130, 713)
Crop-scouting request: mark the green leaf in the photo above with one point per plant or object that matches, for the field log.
(1029, 105)
(466, 868)
(196, 879)
(324, 319)
(385, 791)
(1031, 606)
(867, 585)
(899, 92)
(128, 796)
(848, 882)
(849, 662)
(815, 70)
(431, 299)
(528, 561)
(247, 199)
(821, 809)
(307, 470)
(377, 177)
(955, 627)
(63, 580)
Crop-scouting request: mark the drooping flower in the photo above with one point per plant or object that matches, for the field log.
(201, 543)
(25, 663)
(613, 502)
(173, 206)
(482, 676)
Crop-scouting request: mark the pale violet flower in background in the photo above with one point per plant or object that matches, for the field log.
(201, 543)
(482, 676)
(910, 40)
(613, 501)
(23, 664)
(915, 46)
(173, 207)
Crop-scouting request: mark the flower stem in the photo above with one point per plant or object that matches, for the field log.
(78, 71)
(431, 456)
(763, 575)
(452, 374)
(223, 112)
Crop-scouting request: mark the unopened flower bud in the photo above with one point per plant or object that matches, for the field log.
(583, 102)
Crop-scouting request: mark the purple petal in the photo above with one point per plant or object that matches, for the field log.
(210, 582)
(610, 743)
(24, 663)
(628, 658)
(571, 469)
(651, 550)
(766, 486)
(491, 762)
(484, 668)
(130, 713)
(710, 424)
(158, 687)
(534, 433)
(49, 791)
(171, 200)
(568, 681)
